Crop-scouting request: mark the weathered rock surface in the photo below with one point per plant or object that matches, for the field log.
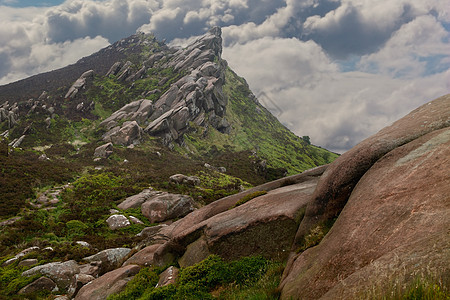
(130, 133)
(110, 283)
(144, 257)
(167, 206)
(169, 276)
(79, 84)
(197, 97)
(138, 110)
(393, 228)
(109, 259)
(104, 151)
(183, 179)
(117, 221)
(62, 273)
(136, 201)
(40, 284)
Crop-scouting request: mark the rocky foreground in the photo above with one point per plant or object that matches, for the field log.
(376, 219)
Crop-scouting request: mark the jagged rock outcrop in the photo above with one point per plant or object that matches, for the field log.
(196, 97)
(392, 195)
(79, 84)
(130, 133)
(104, 151)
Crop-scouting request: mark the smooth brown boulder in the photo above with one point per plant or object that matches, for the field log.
(108, 284)
(143, 257)
(392, 231)
(337, 183)
(265, 225)
(167, 206)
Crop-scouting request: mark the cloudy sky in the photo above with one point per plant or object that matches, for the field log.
(336, 70)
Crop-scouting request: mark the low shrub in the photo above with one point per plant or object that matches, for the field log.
(249, 197)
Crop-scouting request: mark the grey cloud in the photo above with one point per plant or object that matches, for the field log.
(350, 32)
(113, 20)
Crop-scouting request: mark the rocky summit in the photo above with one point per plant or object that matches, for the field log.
(150, 172)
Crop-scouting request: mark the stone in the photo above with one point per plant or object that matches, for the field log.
(62, 273)
(114, 69)
(138, 111)
(195, 253)
(92, 269)
(135, 220)
(391, 193)
(28, 262)
(108, 284)
(83, 244)
(129, 133)
(143, 257)
(167, 206)
(117, 221)
(104, 151)
(79, 84)
(337, 183)
(109, 259)
(39, 285)
(183, 179)
(136, 201)
(169, 276)
(81, 280)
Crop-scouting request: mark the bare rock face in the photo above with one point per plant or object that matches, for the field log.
(169, 276)
(196, 97)
(394, 226)
(109, 259)
(79, 84)
(62, 273)
(136, 201)
(104, 151)
(40, 284)
(138, 111)
(108, 284)
(167, 206)
(130, 133)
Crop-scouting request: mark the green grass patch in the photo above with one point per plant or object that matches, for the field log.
(249, 197)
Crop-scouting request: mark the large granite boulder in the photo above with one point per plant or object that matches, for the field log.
(137, 200)
(127, 134)
(167, 206)
(392, 195)
(108, 284)
(109, 259)
(62, 273)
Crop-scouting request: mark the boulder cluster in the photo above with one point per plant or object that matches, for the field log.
(377, 217)
(196, 97)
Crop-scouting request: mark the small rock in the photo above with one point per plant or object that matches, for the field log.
(104, 151)
(135, 220)
(28, 262)
(169, 276)
(83, 244)
(117, 221)
(113, 211)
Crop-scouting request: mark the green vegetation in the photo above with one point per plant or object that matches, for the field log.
(248, 198)
(315, 235)
(212, 278)
(255, 129)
